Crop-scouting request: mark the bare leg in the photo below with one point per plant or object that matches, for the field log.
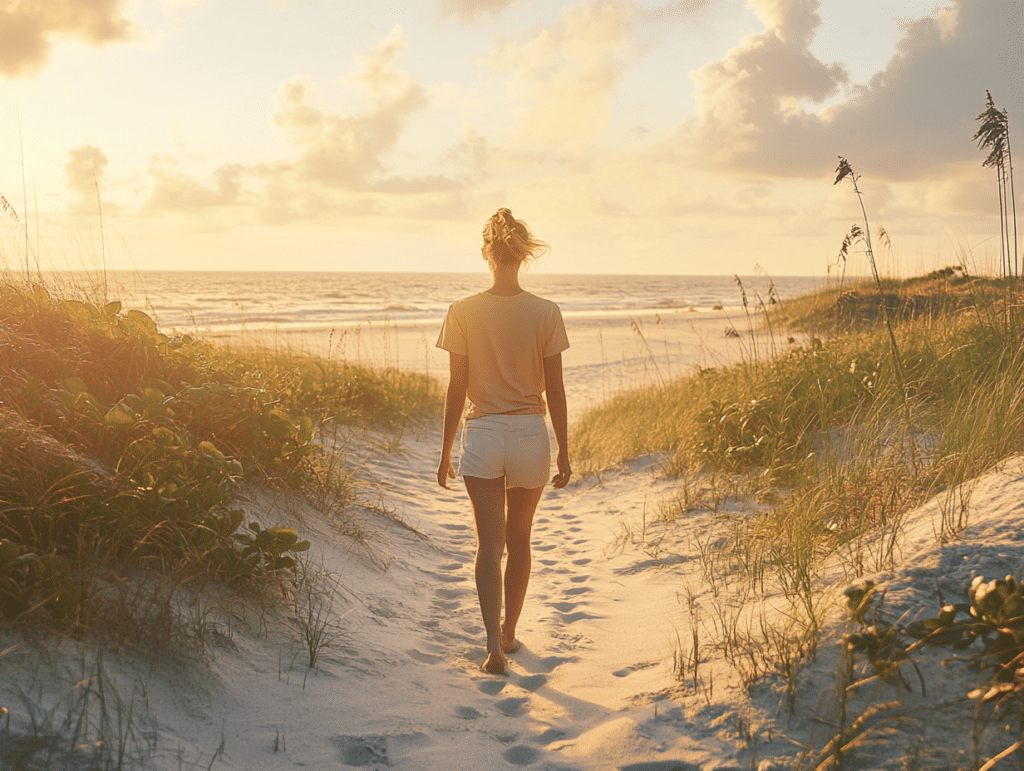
(522, 503)
(488, 499)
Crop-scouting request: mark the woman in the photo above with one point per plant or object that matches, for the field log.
(505, 347)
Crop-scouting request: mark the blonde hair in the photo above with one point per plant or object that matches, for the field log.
(508, 241)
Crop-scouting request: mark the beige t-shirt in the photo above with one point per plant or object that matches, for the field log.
(506, 340)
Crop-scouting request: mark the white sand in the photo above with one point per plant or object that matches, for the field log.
(607, 354)
(593, 686)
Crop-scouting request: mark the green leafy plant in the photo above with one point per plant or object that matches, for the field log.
(993, 617)
(266, 548)
(28, 580)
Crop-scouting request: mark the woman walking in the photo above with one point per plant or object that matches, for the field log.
(505, 347)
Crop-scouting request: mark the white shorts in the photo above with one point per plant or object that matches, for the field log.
(512, 446)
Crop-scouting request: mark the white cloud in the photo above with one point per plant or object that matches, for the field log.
(176, 192)
(346, 151)
(84, 172)
(340, 167)
(29, 29)
(562, 79)
(911, 121)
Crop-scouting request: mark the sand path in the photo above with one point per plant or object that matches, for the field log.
(597, 632)
(592, 688)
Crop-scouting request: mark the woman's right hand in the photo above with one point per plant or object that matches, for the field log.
(445, 472)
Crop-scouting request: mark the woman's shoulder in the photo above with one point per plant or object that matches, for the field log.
(470, 300)
(549, 305)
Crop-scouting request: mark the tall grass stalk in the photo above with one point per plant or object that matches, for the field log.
(843, 171)
(994, 135)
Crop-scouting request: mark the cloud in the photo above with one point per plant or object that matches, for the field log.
(563, 77)
(30, 28)
(339, 168)
(468, 10)
(174, 191)
(473, 151)
(345, 151)
(84, 171)
(910, 121)
(917, 117)
(760, 83)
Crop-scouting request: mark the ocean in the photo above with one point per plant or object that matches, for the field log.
(223, 302)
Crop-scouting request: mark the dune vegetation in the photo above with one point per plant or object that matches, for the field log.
(814, 456)
(123, 450)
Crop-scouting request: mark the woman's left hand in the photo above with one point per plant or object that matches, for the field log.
(561, 479)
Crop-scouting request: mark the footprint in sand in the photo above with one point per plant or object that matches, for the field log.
(491, 687)
(550, 663)
(362, 750)
(582, 561)
(452, 526)
(376, 750)
(521, 755)
(450, 566)
(549, 736)
(544, 547)
(426, 658)
(467, 713)
(513, 706)
(532, 683)
(449, 636)
(451, 594)
(579, 579)
(572, 618)
(578, 590)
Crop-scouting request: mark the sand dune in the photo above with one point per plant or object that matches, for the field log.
(593, 687)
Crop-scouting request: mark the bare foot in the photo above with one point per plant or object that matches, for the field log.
(509, 643)
(495, 664)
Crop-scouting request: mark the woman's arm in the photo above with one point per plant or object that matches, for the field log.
(454, 402)
(555, 389)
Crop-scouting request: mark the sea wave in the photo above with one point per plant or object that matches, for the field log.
(239, 300)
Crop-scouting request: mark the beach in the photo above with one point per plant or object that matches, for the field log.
(608, 353)
(622, 664)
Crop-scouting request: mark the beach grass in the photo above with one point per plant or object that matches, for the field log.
(123, 450)
(823, 447)
(125, 453)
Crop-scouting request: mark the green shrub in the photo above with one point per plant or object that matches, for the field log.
(123, 445)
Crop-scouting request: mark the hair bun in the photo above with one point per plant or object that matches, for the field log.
(509, 240)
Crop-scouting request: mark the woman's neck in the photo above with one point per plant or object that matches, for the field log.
(504, 280)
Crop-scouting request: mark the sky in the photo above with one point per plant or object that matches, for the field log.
(633, 136)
